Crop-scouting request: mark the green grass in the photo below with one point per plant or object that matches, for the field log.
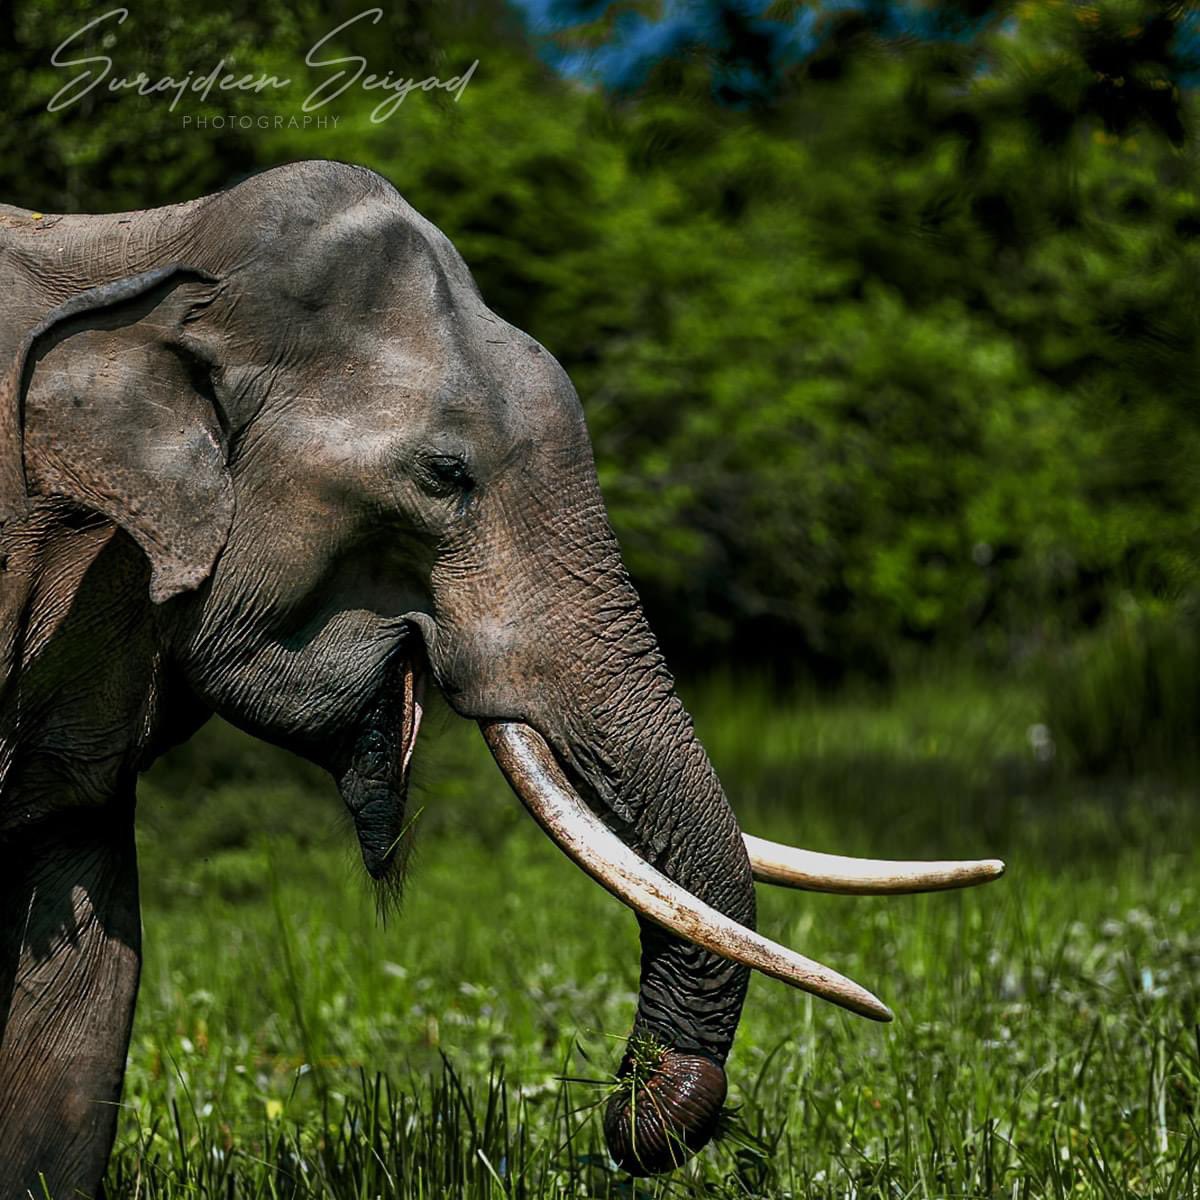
(1126, 697)
(290, 1045)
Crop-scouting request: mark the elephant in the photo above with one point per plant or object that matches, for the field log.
(267, 454)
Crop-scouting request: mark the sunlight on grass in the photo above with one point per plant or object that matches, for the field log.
(288, 1045)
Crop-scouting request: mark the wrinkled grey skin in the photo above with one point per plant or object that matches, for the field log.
(298, 459)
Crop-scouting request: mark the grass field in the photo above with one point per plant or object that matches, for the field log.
(1046, 1044)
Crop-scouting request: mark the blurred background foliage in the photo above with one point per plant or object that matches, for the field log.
(884, 316)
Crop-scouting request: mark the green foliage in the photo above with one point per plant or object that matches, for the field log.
(1127, 697)
(877, 364)
(903, 354)
(288, 1045)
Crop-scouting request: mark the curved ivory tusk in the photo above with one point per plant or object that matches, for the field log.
(534, 774)
(790, 866)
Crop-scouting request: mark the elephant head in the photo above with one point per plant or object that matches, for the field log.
(350, 479)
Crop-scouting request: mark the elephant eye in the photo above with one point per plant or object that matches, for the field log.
(445, 474)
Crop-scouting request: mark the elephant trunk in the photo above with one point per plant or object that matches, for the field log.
(666, 1110)
(576, 704)
(689, 999)
(629, 751)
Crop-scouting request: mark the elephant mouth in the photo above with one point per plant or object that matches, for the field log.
(374, 781)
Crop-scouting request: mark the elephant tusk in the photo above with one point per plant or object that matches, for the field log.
(789, 866)
(534, 774)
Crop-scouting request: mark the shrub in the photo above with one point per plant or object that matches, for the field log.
(1127, 696)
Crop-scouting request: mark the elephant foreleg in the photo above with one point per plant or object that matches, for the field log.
(70, 954)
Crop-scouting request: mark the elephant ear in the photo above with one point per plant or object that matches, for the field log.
(110, 403)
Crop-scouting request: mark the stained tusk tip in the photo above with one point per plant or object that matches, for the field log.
(535, 775)
(876, 1011)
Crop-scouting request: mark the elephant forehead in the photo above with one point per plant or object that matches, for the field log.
(406, 316)
(351, 285)
(331, 237)
(368, 258)
(495, 397)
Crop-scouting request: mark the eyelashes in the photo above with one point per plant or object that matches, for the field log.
(444, 475)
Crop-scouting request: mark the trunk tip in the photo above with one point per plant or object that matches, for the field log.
(665, 1111)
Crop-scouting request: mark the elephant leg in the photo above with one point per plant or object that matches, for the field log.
(70, 954)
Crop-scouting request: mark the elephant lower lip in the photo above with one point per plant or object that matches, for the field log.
(374, 779)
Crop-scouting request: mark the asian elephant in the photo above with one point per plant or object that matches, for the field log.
(268, 454)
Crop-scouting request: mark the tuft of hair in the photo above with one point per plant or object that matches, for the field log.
(388, 888)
